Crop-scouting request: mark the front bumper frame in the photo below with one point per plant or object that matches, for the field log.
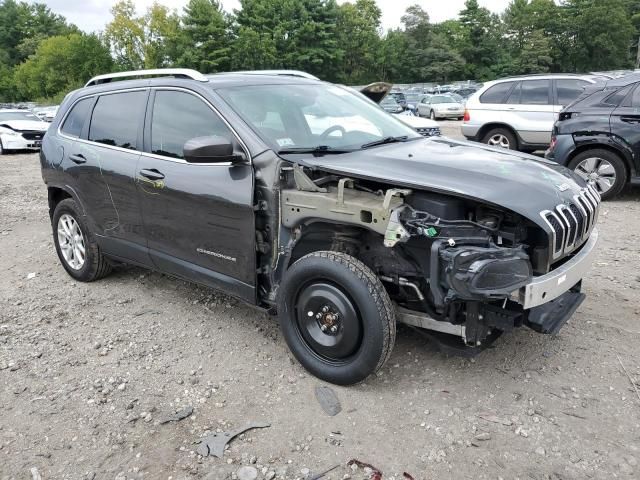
(548, 287)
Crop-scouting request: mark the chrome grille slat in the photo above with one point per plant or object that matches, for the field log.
(571, 222)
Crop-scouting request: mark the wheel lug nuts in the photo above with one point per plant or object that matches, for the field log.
(323, 328)
(319, 316)
(325, 309)
(334, 329)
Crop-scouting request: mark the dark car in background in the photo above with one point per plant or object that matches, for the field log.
(389, 104)
(400, 98)
(598, 135)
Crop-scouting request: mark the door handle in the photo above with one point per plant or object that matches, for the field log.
(78, 159)
(630, 119)
(152, 174)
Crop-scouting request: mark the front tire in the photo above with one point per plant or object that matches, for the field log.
(432, 115)
(603, 168)
(76, 245)
(336, 317)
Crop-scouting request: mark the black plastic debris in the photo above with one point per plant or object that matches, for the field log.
(215, 443)
(177, 416)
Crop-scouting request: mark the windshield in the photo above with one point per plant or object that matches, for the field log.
(442, 99)
(4, 116)
(313, 115)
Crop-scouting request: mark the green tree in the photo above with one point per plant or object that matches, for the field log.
(529, 45)
(599, 32)
(61, 64)
(481, 43)
(298, 34)
(23, 25)
(148, 41)
(358, 26)
(205, 39)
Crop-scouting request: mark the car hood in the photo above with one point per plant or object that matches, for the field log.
(518, 182)
(24, 125)
(415, 121)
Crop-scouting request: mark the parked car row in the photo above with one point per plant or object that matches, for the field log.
(586, 122)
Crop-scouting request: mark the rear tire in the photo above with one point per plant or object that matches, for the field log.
(328, 289)
(605, 169)
(76, 245)
(502, 138)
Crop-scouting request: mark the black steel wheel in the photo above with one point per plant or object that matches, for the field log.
(336, 317)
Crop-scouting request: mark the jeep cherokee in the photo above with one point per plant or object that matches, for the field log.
(227, 180)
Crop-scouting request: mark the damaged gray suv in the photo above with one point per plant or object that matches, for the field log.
(309, 201)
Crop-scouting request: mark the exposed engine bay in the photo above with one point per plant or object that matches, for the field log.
(452, 265)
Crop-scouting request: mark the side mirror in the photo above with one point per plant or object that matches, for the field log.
(211, 149)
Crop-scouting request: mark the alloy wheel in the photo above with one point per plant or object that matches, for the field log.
(71, 241)
(499, 140)
(597, 171)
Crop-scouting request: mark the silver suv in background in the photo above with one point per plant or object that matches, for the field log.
(518, 112)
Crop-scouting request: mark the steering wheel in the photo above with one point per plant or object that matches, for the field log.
(334, 128)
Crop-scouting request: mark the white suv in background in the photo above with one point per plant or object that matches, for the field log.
(518, 112)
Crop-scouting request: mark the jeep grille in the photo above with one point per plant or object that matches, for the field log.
(571, 223)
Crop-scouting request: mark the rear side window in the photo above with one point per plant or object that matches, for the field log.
(617, 97)
(568, 90)
(179, 117)
(496, 93)
(535, 92)
(75, 120)
(116, 118)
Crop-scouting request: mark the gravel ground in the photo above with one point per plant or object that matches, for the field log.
(87, 371)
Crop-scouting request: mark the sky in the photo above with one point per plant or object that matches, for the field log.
(93, 15)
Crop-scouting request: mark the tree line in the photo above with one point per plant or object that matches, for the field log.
(43, 56)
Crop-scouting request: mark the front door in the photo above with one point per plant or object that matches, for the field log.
(198, 218)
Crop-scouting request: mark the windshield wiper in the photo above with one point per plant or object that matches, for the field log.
(385, 140)
(317, 150)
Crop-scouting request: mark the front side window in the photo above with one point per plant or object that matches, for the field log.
(116, 118)
(535, 92)
(314, 115)
(179, 117)
(75, 120)
(568, 90)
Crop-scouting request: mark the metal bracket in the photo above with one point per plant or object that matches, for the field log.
(303, 182)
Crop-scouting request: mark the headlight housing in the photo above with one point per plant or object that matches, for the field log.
(492, 272)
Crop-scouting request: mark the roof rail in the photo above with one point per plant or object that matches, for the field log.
(282, 72)
(169, 72)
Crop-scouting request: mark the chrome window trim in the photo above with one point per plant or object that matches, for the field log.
(149, 154)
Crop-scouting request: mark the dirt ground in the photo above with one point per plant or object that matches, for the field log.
(87, 371)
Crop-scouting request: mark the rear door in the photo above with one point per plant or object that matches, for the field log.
(625, 120)
(112, 150)
(566, 90)
(530, 111)
(198, 218)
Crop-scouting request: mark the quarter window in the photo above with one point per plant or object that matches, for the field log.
(179, 117)
(116, 118)
(75, 120)
(568, 90)
(616, 98)
(534, 92)
(496, 93)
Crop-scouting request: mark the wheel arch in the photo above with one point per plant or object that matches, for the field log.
(56, 194)
(486, 128)
(624, 156)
